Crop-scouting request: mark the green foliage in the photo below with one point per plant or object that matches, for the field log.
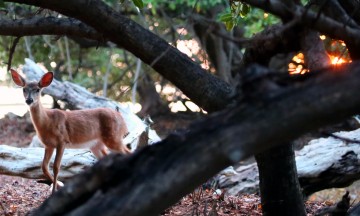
(175, 4)
(256, 21)
(232, 18)
(242, 15)
(138, 3)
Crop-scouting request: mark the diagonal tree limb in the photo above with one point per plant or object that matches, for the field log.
(334, 10)
(157, 176)
(11, 51)
(203, 88)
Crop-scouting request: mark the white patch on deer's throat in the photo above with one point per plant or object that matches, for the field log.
(84, 145)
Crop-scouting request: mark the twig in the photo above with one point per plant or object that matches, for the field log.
(106, 76)
(12, 50)
(169, 47)
(345, 139)
(68, 58)
(137, 74)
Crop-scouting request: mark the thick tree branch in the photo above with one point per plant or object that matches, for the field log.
(319, 22)
(175, 166)
(334, 10)
(203, 88)
(48, 26)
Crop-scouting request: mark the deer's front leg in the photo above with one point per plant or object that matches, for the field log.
(59, 153)
(45, 164)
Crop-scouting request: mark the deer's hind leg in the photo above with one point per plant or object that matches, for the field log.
(117, 146)
(57, 163)
(99, 150)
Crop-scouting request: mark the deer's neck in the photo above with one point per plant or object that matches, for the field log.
(38, 115)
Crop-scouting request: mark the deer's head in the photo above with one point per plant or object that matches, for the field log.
(32, 89)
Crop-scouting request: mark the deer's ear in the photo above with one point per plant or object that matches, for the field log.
(17, 78)
(46, 80)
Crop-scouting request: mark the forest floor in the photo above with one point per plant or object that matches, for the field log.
(18, 196)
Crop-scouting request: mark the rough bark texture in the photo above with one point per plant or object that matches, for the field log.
(279, 186)
(48, 26)
(175, 166)
(202, 87)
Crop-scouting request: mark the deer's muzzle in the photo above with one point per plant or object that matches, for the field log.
(29, 101)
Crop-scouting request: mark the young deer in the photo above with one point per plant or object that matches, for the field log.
(96, 129)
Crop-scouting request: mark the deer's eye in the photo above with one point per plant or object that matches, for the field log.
(37, 90)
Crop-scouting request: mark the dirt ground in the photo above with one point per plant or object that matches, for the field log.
(18, 196)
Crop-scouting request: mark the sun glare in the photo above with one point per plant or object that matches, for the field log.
(335, 60)
(296, 66)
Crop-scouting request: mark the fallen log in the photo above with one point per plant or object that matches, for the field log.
(323, 163)
(26, 162)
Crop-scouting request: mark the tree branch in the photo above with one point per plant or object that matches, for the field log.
(321, 23)
(204, 89)
(49, 26)
(175, 166)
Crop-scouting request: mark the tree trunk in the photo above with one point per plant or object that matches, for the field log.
(323, 163)
(279, 184)
(150, 100)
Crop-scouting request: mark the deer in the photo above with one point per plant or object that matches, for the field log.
(99, 129)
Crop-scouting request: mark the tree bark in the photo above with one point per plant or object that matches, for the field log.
(203, 88)
(279, 184)
(151, 103)
(159, 175)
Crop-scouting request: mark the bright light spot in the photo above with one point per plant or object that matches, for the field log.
(53, 64)
(193, 107)
(156, 24)
(322, 37)
(135, 108)
(189, 47)
(297, 68)
(177, 106)
(335, 60)
(3, 72)
(266, 15)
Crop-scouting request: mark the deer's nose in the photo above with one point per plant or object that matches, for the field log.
(29, 101)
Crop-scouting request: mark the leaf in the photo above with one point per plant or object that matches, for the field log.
(226, 17)
(229, 25)
(245, 9)
(138, 3)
